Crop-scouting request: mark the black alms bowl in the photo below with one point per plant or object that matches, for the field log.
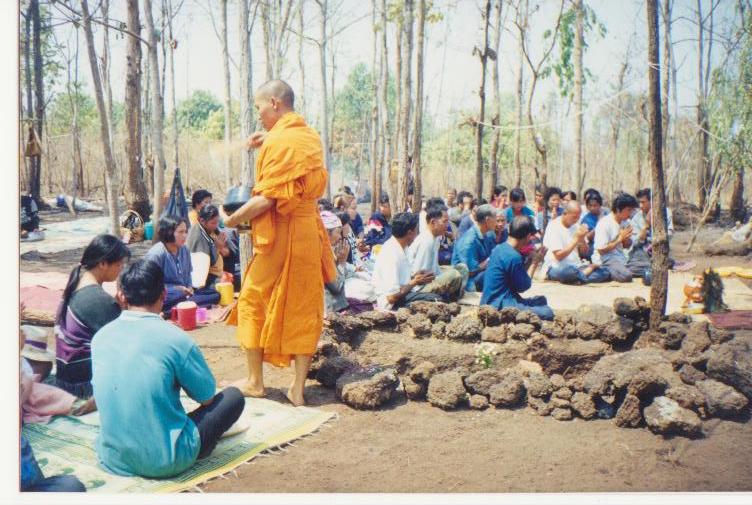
(236, 197)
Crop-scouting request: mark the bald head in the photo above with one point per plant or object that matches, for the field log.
(572, 211)
(279, 90)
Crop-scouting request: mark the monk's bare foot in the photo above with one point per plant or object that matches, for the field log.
(296, 398)
(251, 390)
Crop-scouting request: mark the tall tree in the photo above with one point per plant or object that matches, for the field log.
(495, 146)
(227, 106)
(247, 117)
(35, 178)
(579, 34)
(301, 66)
(615, 118)
(418, 119)
(104, 124)
(77, 174)
(384, 106)
(375, 81)
(136, 196)
(403, 176)
(276, 17)
(156, 112)
(483, 55)
(522, 15)
(173, 46)
(324, 8)
(659, 285)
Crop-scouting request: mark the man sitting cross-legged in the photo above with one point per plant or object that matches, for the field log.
(565, 242)
(140, 364)
(612, 235)
(506, 277)
(423, 255)
(393, 281)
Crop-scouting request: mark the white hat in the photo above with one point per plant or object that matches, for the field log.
(35, 348)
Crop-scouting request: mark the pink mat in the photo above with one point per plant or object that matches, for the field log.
(55, 281)
(41, 299)
(733, 320)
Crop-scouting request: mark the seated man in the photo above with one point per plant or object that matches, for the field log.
(506, 277)
(206, 237)
(461, 207)
(565, 241)
(642, 234)
(393, 281)
(471, 249)
(423, 255)
(612, 234)
(468, 221)
(140, 364)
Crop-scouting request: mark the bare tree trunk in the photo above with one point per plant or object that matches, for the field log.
(29, 161)
(703, 168)
(323, 5)
(403, 178)
(375, 146)
(104, 124)
(268, 37)
(496, 97)
(522, 21)
(736, 202)
(418, 120)
(659, 285)
(665, 80)
(228, 104)
(156, 114)
(78, 170)
(393, 176)
(107, 88)
(35, 181)
(578, 69)
(483, 56)
(247, 118)
(146, 136)
(615, 120)
(173, 46)
(136, 197)
(385, 125)
(301, 65)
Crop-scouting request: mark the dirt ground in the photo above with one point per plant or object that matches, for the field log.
(413, 447)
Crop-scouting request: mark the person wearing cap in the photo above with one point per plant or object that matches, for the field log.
(334, 291)
(471, 249)
(506, 277)
(36, 359)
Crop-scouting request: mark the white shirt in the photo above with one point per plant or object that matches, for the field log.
(390, 273)
(638, 224)
(607, 230)
(422, 225)
(557, 238)
(423, 253)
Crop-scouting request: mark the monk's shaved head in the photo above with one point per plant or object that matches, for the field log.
(278, 89)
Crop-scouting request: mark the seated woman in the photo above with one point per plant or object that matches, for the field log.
(199, 200)
(173, 257)
(206, 237)
(86, 308)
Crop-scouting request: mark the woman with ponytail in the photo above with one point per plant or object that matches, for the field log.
(85, 308)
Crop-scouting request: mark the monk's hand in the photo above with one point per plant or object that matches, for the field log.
(256, 139)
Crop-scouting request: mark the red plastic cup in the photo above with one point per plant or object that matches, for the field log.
(174, 314)
(187, 315)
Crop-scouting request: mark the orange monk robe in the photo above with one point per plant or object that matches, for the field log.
(281, 304)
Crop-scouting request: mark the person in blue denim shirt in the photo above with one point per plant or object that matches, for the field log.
(472, 248)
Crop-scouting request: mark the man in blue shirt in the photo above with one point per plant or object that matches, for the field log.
(140, 363)
(472, 248)
(506, 277)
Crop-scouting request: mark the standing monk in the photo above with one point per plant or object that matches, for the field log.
(280, 310)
